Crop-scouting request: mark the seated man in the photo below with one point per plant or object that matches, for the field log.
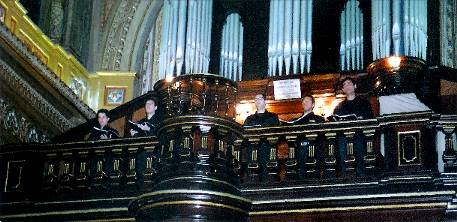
(148, 125)
(361, 108)
(261, 117)
(102, 131)
(308, 114)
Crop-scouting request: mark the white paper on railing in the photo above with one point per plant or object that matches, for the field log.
(400, 103)
(287, 89)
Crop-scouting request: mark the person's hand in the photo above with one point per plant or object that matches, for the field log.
(144, 127)
(103, 137)
(133, 132)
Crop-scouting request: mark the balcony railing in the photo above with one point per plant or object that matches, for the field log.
(262, 155)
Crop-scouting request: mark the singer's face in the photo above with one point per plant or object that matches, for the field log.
(348, 87)
(150, 107)
(308, 104)
(260, 102)
(102, 119)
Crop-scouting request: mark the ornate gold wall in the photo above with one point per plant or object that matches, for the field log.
(90, 87)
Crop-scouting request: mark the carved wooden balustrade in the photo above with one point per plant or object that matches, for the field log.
(39, 170)
(305, 152)
(281, 156)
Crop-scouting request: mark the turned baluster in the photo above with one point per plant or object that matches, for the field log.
(291, 164)
(349, 161)
(329, 164)
(370, 156)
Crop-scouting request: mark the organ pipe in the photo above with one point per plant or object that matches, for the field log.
(351, 48)
(181, 36)
(287, 35)
(232, 48)
(185, 37)
(289, 39)
(295, 34)
(309, 47)
(402, 23)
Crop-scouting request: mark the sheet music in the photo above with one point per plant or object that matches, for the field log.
(147, 123)
(251, 126)
(106, 131)
(343, 117)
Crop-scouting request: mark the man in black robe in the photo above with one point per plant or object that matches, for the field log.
(102, 131)
(308, 114)
(353, 104)
(148, 125)
(361, 108)
(145, 127)
(261, 117)
(303, 143)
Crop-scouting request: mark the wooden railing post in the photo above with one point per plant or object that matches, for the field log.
(253, 167)
(370, 155)
(82, 170)
(291, 163)
(450, 153)
(66, 171)
(349, 160)
(329, 156)
(269, 147)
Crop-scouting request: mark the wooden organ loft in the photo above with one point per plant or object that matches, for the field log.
(204, 166)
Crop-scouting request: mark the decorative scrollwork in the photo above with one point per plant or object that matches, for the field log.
(78, 86)
(11, 121)
(448, 35)
(117, 35)
(36, 100)
(2, 14)
(19, 126)
(51, 77)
